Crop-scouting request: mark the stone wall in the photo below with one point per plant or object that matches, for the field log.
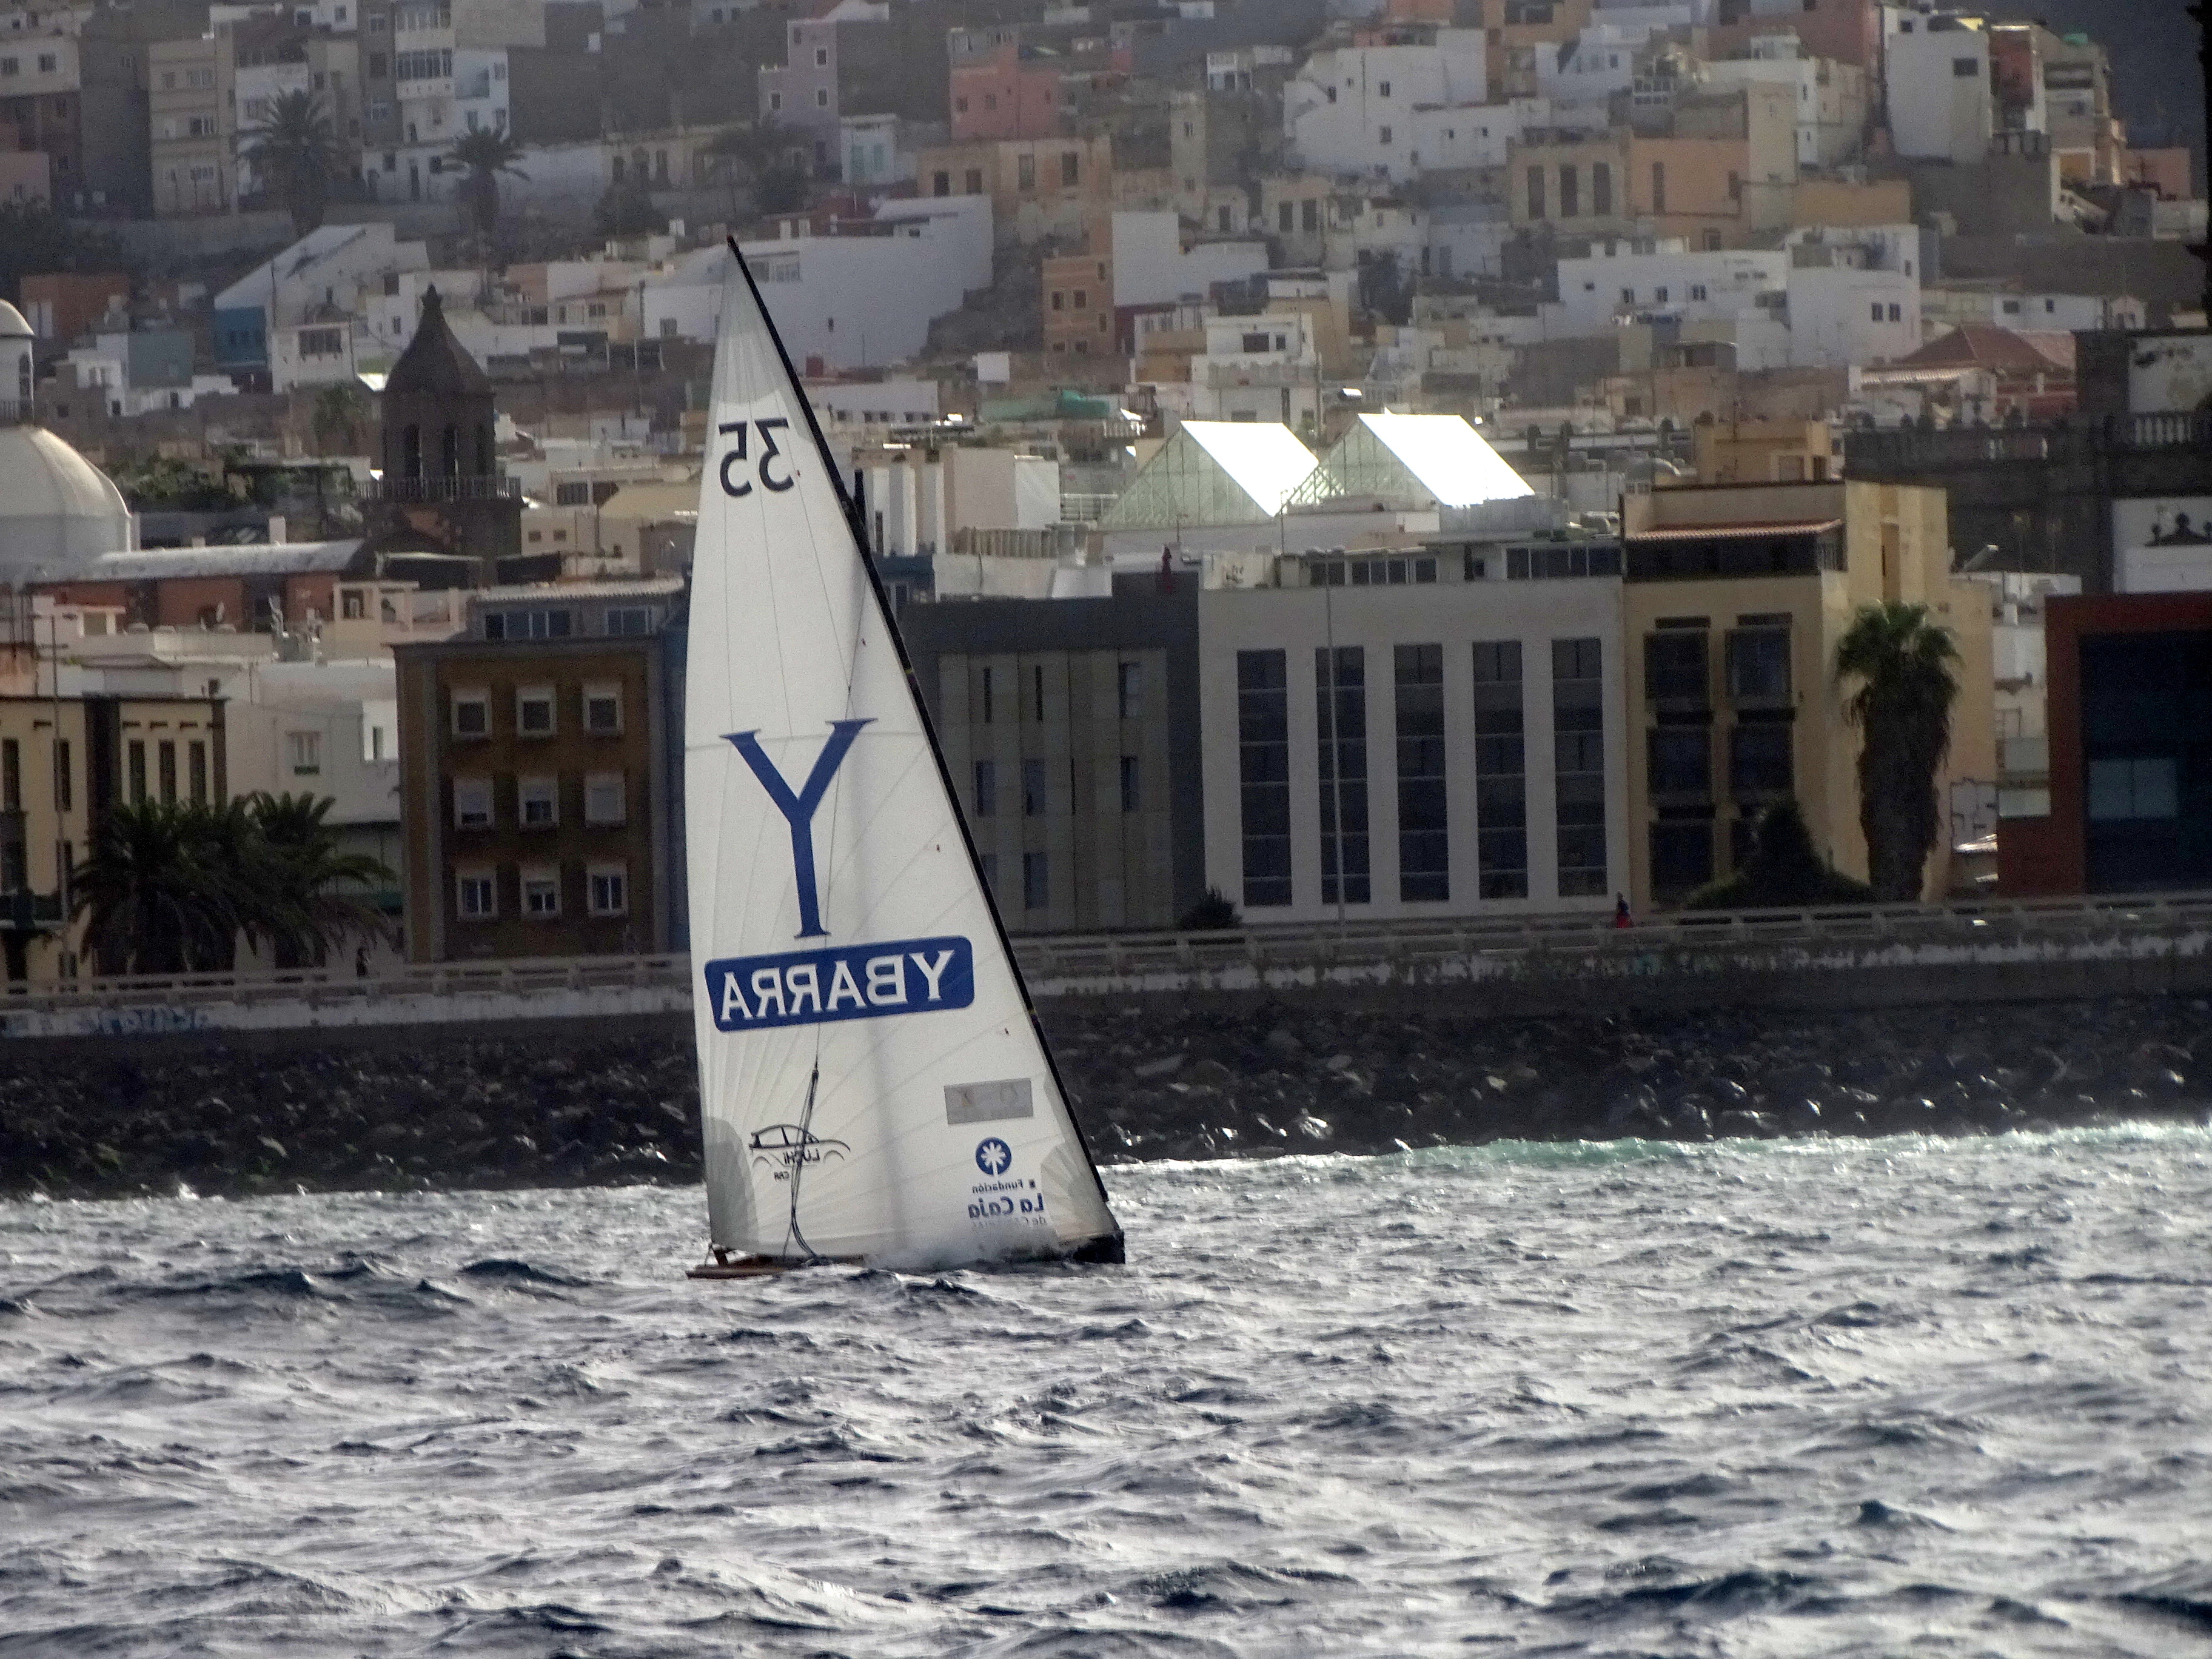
(588, 1102)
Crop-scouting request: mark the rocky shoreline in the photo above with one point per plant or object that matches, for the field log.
(502, 1112)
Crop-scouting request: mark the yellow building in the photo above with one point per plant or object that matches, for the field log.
(65, 763)
(1736, 596)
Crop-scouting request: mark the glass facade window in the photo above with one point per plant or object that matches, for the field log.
(1037, 881)
(1130, 688)
(1578, 763)
(2120, 790)
(1132, 780)
(1340, 722)
(1263, 759)
(987, 789)
(1423, 830)
(1501, 767)
(1033, 789)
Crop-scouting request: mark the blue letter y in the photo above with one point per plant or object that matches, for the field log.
(798, 810)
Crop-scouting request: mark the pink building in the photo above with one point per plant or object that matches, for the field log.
(998, 93)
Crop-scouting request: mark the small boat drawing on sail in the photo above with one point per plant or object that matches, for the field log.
(873, 1083)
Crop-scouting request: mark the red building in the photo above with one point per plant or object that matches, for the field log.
(2129, 679)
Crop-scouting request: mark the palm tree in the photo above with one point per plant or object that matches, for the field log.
(296, 155)
(335, 418)
(161, 900)
(171, 887)
(1785, 868)
(311, 894)
(486, 154)
(1905, 665)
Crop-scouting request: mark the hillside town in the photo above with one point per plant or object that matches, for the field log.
(1331, 460)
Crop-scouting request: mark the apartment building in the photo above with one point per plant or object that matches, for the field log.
(192, 101)
(41, 82)
(1068, 729)
(1038, 187)
(1736, 596)
(541, 775)
(1431, 730)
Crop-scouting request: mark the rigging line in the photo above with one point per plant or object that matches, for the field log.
(799, 1158)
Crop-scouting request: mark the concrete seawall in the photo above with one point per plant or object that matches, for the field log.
(1840, 960)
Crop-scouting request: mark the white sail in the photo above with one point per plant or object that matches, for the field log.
(864, 1038)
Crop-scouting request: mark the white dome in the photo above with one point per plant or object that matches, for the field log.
(12, 325)
(57, 511)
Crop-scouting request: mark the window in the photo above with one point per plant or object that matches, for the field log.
(1759, 665)
(1036, 882)
(1501, 767)
(822, 57)
(987, 789)
(1132, 794)
(1698, 292)
(626, 621)
(196, 771)
(1263, 757)
(1601, 188)
(533, 711)
(606, 798)
(1129, 689)
(1681, 856)
(1340, 710)
(538, 801)
(11, 774)
(538, 624)
(475, 895)
(1658, 186)
(1682, 761)
(1382, 88)
(1071, 168)
(304, 751)
(983, 695)
(1674, 667)
(472, 803)
(471, 713)
(65, 779)
(1309, 216)
(821, 101)
(541, 894)
(1536, 192)
(1036, 691)
(1025, 172)
(2124, 789)
(1578, 763)
(1897, 313)
(610, 889)
(1964, 68)
(1571, 191)
(1877, 313)
(1759, 759)
(603, 710)
(1382, 135)
(973, 182)
(1424, 839)
(1285, 217)
(137, 772)
(1034, 793)
(940, 184)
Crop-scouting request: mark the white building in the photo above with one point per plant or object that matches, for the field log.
(480, 93)
(903, 402)
(1941, 101)
(1832, 298)
(1265, 367)
(1947, 308)
(865, 296)
(1152, 266)
(1831, 97)
(1393, 749)
(335, 270)
(1352, 109)
(919, 499)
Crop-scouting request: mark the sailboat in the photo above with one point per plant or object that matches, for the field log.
(873, 1083)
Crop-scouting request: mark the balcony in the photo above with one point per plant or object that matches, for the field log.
(445, 490)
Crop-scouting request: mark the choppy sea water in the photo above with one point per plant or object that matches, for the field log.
(1907, 1396)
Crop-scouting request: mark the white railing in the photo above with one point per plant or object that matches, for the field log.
(1556, 943)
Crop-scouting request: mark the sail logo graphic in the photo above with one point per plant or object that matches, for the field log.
(852, 982)
(994, 1156)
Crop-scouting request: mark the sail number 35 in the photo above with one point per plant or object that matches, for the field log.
(738, 456)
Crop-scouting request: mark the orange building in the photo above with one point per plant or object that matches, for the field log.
(1079, 306)
(252, 588)
(1000, 91)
